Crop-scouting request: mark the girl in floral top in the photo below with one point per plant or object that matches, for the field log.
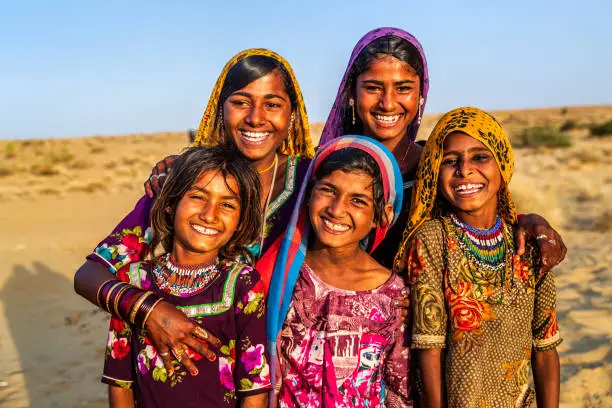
(336, 338)
(491, 310)
(206, 215)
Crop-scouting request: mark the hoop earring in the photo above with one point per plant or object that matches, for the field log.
(352, 105)
(421, 100)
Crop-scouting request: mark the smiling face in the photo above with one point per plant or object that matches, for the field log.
(469, 179)
(386, 98)
(341, 209)
(205, 218)
(257, 117)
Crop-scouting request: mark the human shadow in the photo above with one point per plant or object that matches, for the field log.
(59, 340)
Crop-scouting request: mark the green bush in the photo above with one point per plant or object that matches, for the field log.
(569, 124)
(603, 129)
(540, 136)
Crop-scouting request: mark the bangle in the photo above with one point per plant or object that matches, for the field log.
(98, 300)
(127, 300)
(148, 313)
(117, 298)
(137, 305)
(108, 295)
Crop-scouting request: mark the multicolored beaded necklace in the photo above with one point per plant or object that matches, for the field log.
(183, 280)
(485, 249)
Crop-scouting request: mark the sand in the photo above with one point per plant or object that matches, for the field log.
(58, 198)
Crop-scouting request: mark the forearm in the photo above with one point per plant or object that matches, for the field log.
(431, 368)
(89, 278)
(546, 375)
(255, 401)
(120, 397)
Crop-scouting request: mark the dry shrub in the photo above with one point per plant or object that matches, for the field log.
(588, 156)
(110, 165)
(6, 170)
(97, 149)
(568, 125)
(62, 155)
(49, 191)
(10, 150)
(603, 222)
(44, 169)
(87, 187)
(542, 136)
(80, 164)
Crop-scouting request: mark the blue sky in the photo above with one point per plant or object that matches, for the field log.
(79, 68)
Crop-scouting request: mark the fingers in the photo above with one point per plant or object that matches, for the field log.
(205, 335)
(167, 360)
(201, 348)
(181, 355)
(520, 238)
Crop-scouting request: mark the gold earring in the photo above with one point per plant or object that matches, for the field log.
(421, 100)
(220, 120)
(352, 104)
(290, 130)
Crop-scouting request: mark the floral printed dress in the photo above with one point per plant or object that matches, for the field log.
(232, 307)
(341, 348)
(489, 330)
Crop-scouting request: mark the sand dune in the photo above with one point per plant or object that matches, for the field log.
(59, 197)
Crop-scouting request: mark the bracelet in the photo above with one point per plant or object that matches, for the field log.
(127, 300)
(148, 313)
(98, 300)
(117, 298)
(108, 295)
(137, 305)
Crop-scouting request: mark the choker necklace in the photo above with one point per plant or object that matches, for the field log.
(183, 280)
(273, 164)
(486, 250)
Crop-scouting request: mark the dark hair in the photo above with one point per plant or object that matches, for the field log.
(252, 68)
(350, 159)
(392, 45)
(186, 169)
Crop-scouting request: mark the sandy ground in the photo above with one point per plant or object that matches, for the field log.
(59, 198)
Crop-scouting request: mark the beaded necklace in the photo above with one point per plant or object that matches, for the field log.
(485, 249)
(183, 280)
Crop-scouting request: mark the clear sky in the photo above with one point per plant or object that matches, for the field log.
(79, 68)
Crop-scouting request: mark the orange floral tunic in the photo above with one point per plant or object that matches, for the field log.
(489, 330)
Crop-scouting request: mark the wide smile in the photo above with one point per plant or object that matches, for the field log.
(467, 189)
(333, 227)
(206, 231)
(254, 138)
(386, 120)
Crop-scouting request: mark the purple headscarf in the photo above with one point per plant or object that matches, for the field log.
(333, 126)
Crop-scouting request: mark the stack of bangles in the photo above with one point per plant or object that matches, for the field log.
(127, 302)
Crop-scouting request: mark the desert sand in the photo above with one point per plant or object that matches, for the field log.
(59, 197)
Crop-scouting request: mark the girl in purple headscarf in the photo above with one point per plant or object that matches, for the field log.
(382, 95)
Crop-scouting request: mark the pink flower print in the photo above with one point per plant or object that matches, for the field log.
(253, 358)
(376, 315)
(142, 363)
(225, 374)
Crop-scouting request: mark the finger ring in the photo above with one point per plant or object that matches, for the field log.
(200, 332)
(162, 174)
(542, 236)
(164, 354)
(178, 354)
(552, 242)
(153, 176)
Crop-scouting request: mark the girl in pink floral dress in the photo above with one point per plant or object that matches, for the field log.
(336, 337)
(204, 218)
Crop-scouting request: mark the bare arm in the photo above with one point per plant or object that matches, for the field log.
(255, 401)
(89, 278)
(430, 366)
(120, 397)
(546, 374)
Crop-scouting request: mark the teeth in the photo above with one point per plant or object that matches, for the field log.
(204, 230)
(255, 136)
(335, 227)
(466, 187)
(387, 118)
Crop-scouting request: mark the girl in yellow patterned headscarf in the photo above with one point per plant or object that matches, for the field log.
(477, 306)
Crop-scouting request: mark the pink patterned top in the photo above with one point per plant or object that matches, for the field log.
(342, 348)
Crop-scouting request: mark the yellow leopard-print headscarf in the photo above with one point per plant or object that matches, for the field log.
(299, 142)
(481, 126)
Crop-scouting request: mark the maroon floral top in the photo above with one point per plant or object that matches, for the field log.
(232, 307)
